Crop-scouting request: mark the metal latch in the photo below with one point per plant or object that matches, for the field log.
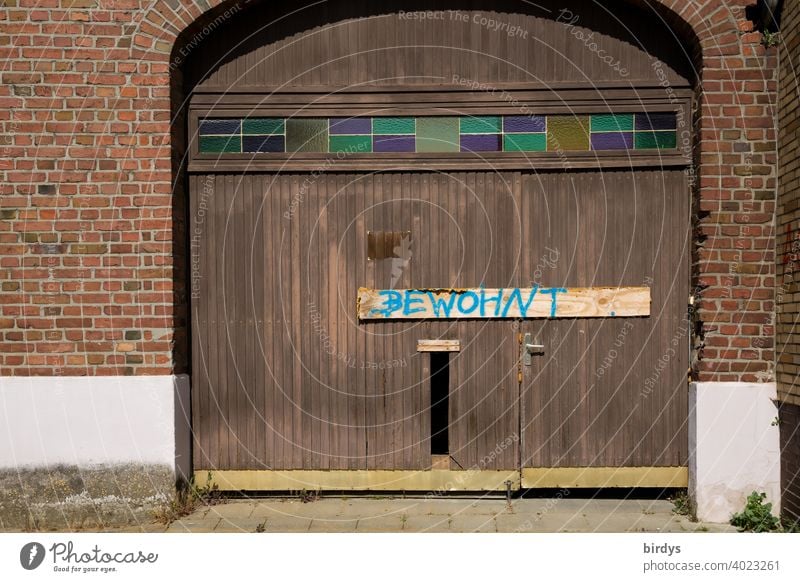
(529, 348)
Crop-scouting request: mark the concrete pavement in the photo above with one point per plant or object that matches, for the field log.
(386, 514)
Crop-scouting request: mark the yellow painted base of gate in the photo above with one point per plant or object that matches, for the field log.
(445, 480)
(437, 480)
(577, 477)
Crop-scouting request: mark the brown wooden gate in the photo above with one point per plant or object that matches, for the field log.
(276, 330)
(291, 390)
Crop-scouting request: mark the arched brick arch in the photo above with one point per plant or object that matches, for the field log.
(86, 87)
(733, 174)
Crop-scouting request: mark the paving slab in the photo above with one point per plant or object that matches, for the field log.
(247, 525)
(333, 526)
(321, 508)
(426, 524)
(459, 506)
(381, 524)
(287, 524)
(235, 510)
(197, 524)
(473, 524)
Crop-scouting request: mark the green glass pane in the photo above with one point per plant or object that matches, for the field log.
(525, 142)
(437, 134)
(351, 144)
(650, 140)
(567, 133)
(263, 126)
(393, 126)
(220, 144)
(306, 135)
(606, 123)
(481, 125)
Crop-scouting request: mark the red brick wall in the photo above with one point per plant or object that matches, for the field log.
(86, 242)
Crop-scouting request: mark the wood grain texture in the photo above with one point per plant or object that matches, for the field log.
(286, 377)
(438, 345)
(528, 303)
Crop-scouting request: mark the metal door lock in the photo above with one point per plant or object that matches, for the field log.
(529, 348)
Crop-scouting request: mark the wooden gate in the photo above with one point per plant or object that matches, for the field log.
(331, 153)
(605, 400)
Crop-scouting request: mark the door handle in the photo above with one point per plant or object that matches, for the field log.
(528, 348)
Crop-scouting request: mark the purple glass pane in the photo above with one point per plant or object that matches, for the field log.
(648, 121)
(612, 141)
(220, 126)
(480, 143)
(524, 124)
(393, 143)
(352, 126)
(263, 144)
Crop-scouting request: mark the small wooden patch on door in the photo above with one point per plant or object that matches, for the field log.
(388, 244)
(438, 345)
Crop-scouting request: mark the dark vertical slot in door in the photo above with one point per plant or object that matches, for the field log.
(440, 403)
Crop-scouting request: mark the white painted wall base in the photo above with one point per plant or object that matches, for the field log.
(734, 447)
(95, 421)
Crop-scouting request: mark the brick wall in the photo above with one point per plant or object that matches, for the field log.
(91, 259)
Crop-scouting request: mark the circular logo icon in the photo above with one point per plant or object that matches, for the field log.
(31, 555)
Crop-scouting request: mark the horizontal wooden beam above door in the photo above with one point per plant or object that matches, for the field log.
(513, 303)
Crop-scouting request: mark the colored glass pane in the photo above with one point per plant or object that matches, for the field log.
(525, 142)
(393, 125)
(263, 126)
(220, 144)
(306, 135)
(614, 140)
(480, 143)
(220, 126)
(655, 140)
(648, 121)
(481, 124)
(524, 123)
(351, 126)
(351, 144)
(615, 122)
(393, 143)
(437, 134)
(264, 144)
(567, 133)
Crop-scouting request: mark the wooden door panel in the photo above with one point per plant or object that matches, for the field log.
(609, 392)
